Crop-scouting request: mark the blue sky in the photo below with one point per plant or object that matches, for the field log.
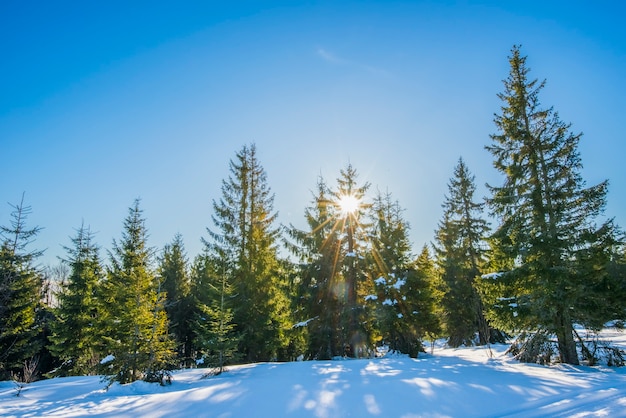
(104, 102)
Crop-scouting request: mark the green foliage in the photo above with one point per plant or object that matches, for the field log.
(136, 323)
(245, 239)
(317, 304)
(216, 339)
(75, 333)
(21, 292)
(174, 277)
(553, 255)
(403, 301)
(460, 251)
(333, 271)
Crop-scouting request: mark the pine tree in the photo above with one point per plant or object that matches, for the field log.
(136, 322)
(317, 302)
(174, 276)
(21, 292)
(547, 235)
(421, 293)
(75, 338)
(390, 260)
(245, 237)
(461, 255)
(334, 270)
(351, 207)
(216, 339)
(403, 299)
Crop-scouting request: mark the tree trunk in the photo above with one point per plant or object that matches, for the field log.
(565, 337)
(484, 336)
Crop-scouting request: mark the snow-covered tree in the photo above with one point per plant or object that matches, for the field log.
(403, 298)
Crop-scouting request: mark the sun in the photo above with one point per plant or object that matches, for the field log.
(348, 204)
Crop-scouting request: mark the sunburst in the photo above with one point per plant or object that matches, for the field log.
(348, 204)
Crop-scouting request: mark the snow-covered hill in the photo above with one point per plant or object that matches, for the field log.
(450, 383)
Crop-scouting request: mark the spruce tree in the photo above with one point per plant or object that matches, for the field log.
(390, 259)
(460, 247)
(246, 238)
(215, 336)
(547, 235)
(349, 200)
(403, 300)
(317, 303)
(174, 276)
(136, 334)
(21, 292)
(421, 296)
(75, 335)
(333, 257)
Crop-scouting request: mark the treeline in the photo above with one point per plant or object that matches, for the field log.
(352, 283)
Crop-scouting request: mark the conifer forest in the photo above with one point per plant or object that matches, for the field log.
(525, 265)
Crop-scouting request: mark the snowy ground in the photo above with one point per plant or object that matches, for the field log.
(450, 383)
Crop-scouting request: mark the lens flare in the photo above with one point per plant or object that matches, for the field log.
(348, 204)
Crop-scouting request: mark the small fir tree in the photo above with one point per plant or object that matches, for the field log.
(391, 267)
(21, 292)
(75, 337)
(460, 246)
(136, 334)
(174, 276)
(219, 342)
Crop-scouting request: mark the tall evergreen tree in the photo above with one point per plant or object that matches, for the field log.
(460, 246)
(174, 276)
(317, 302)
(333, 267)
(136, 322)
(349, 198)
(245, 237)
(547, 234)
(21, 291)
(403, 300)
(75, 337)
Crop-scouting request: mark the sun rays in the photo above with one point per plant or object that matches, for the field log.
(348, 204)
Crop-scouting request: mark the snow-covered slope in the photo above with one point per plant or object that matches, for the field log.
(450, 383)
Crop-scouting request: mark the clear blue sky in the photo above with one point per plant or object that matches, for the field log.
(103, 102)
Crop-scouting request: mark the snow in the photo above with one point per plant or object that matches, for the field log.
(304, 323)
(463, 382)
(371, 297)
(107, 359)
(493, 276)
(399, 284)
(381, 281)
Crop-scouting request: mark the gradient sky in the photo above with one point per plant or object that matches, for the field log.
(104, 102)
